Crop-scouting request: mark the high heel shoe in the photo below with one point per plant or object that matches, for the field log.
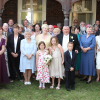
(52, 86)
(97, 80)
(84, 79)
(58, 87)
(88, 82)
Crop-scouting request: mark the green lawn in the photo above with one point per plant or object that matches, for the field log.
(18, 91)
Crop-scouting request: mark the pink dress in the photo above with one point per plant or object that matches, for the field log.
(42, 69)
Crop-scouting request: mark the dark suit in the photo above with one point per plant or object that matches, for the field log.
(72, 38)
(14, 67)
(11, 30)
(70, 75)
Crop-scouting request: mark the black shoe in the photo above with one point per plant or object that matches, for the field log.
(84, 79)
(73, 88)
(68, 89)
(88, 82)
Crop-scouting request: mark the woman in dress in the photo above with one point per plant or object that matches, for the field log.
(45, 36)
(98, 57)
(88, 43)
(78, 62)
(27, 59)
(56, 67)
(3, 68)
(42, 68)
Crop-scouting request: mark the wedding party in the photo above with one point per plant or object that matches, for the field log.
(42, 58)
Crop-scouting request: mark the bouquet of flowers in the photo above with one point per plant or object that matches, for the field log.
(48, 59)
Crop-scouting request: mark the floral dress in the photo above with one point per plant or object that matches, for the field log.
(42, 69)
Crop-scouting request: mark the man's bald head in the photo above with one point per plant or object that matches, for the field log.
(5, 27)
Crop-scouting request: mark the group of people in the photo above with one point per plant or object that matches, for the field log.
(24, 47)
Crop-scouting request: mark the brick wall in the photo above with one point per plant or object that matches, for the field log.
(54, 12)
(10, 11)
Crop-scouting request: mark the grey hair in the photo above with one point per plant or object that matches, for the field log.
(5, 24)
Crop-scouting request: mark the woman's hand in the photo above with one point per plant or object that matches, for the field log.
(63, 61)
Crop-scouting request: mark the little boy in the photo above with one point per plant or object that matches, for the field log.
(70, 62)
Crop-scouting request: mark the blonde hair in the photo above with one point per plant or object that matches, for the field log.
(54, 37)
(21, 26)
(57, 30)
(45, 26)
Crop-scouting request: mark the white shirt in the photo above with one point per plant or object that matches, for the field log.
(65, 42)
(15, 43)
(70, 54)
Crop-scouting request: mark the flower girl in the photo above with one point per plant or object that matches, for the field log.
(42, 67)
(56, 67)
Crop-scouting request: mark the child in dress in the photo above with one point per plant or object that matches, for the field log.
(56, 67)
(42, 68)
(70, 63)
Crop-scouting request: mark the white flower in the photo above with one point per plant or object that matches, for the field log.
(71, 37)
(47, 58)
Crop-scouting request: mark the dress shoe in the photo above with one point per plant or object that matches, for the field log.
(88, 82)
(68, 89)
(73, 88)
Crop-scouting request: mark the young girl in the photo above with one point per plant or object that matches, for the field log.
(56, 67)
(42, 69)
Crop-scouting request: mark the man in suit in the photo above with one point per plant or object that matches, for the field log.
(66, 37)
(6, 32)
(51, 28)
(13, 46)
(11, 23)
(70, 62)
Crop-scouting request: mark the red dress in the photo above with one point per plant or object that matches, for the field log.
(3, 68)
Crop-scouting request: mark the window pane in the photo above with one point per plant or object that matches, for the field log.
(86, 17)
(26, 4)
(38, 17)
(37, 5)
(26, 15)
(88, 5)
(78, 6)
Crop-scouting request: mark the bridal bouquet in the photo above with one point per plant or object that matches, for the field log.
(48, 59)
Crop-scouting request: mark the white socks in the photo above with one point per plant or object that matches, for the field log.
(42, 84)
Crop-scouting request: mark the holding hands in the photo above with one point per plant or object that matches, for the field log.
(15, 55)
(29, 56)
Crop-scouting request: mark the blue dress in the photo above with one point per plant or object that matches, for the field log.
(28, 48)
(88, 58)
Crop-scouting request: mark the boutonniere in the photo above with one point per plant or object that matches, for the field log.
(71, 37)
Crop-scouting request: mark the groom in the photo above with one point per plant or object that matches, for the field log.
(68, 37)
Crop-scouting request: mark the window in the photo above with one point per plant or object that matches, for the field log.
(84, 10)
(33, 10)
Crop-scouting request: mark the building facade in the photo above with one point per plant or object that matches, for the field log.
(54, 11)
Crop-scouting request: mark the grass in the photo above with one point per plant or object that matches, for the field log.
(18, 91)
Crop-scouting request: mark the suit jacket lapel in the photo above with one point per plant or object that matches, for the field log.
(12, 40)
(69, 55)
(18, 42)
